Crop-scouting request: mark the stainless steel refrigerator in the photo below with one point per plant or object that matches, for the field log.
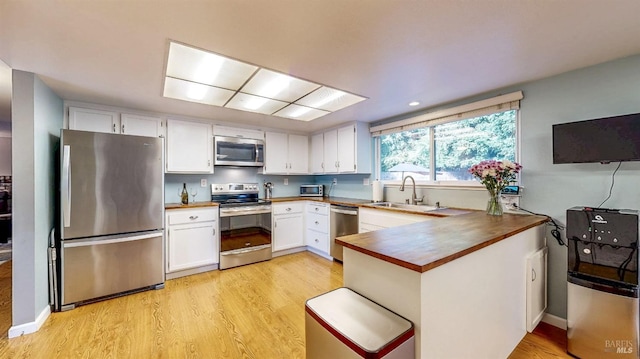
(111, 216)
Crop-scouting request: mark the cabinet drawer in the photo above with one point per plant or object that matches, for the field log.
(318, 240)
(287, 208)
(182, 216)
(319, 208)
(318, 222)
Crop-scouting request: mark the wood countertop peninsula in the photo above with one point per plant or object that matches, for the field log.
(426, 245)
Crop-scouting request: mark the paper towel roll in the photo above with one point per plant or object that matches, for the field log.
(378, 191)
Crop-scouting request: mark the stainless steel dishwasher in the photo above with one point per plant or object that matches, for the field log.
(344, 221)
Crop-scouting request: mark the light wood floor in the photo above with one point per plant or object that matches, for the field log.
(254, 311)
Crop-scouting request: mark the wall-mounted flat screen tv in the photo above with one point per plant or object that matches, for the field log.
(609, 139)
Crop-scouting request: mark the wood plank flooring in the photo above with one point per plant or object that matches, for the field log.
(255, 311)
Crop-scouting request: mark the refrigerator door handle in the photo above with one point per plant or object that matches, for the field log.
(95, 242)
(66, 185)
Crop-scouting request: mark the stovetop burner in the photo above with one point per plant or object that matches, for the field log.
(237, 195)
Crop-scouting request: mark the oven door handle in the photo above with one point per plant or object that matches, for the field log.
(224, 213)
(245, 250)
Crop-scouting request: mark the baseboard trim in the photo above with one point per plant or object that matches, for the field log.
(31, 327)
(555, 321)
(284, 252)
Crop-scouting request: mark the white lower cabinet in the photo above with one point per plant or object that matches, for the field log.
(373, 219)
(288, 225)
(317, 226)
(192, 239)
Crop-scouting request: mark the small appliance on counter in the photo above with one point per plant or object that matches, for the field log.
(268, 190)
(311, 190)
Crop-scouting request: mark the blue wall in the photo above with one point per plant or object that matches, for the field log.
(603, 90)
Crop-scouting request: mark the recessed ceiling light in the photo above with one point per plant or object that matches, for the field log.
(414, 103)
(205, 77)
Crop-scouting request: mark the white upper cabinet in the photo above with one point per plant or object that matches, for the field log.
(330, 152)
(84, 119)
(138, 125)
(93, 120)
(189, 147)
(298, 154)
(316, 162)
(276, 154)
(347, 151)
(237, 132)
(344, 150)
(286, 154)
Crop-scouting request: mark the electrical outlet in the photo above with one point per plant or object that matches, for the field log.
(335, 181)
(365, 181)
(203, 182)
(286, 181)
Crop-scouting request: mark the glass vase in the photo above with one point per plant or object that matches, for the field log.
(494, 205)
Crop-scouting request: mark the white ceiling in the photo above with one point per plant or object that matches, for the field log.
(393, 52)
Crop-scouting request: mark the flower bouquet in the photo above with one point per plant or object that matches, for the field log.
(495, 175)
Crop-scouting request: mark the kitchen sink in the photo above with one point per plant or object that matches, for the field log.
(411, 207)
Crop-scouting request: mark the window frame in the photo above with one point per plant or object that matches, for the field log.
(432, 182)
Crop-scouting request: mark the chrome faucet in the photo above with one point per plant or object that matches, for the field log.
(414, 197)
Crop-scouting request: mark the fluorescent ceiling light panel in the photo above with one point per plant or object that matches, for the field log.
(207, 68)
(251, 103)
(271, 84)
(328, 99)
(301, 113)
(190, 91)
(205, 77)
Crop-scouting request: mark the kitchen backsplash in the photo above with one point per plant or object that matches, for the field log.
(348, 185)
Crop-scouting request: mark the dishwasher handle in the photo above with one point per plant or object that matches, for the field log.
(345, 210)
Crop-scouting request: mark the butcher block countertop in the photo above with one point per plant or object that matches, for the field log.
(443, 212)
(190, 205)
(426, 245)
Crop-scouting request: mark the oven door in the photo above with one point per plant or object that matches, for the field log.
(233, 151)
(245, 236)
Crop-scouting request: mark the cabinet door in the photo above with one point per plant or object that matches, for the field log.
(331, 151)
(189, 147)
(141, 126)
(93, 120)
(276, 146)
(347, 149)
(191, 246)
(298, 154)
(288, 232)
(237, 132)
(317, 153)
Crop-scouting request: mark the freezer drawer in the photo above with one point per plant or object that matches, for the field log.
(601, 324)
(94, 268)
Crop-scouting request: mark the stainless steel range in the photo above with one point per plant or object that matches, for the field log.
(245, 224)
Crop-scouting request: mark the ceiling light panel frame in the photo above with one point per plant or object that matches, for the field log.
(205, 77)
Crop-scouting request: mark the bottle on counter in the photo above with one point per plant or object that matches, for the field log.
(184, 195)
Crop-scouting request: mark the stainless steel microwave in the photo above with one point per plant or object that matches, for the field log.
(233, 151)
(311, 190)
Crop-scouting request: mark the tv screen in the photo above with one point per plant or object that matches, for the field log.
(610, 139)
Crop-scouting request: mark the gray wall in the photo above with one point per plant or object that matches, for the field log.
(37, 119)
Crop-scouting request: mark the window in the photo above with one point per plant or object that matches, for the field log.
(407, 151)
(451, 147)
(461, 144)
